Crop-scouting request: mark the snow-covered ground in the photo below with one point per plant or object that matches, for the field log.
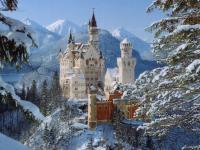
(103, 133)
(33, 109)
(7, 143)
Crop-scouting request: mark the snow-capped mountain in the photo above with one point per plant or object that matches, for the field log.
(43, 35)
(62, 27)
(142, 47)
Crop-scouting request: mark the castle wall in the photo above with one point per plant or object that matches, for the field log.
(104, 111)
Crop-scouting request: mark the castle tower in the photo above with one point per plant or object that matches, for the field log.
(71, 41)
(126, 63)
(92, 110)
(93, 32)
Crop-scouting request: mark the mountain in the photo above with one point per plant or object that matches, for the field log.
(44, 36)
(44, 59)
(142, 47)
(62, 27)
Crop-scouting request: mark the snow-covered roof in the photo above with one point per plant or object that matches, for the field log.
(125, 41)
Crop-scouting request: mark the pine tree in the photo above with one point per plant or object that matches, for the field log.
(56, 97)
(46, 136)
(44, 98)
(33, 93)
(177, 37)
(170, 96)
(118, 134)
(13, 51)
(90, 144)
(27, 94)
(52, 136)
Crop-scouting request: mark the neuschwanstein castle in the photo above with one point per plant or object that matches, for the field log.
(83, 65)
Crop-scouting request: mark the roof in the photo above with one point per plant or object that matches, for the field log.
(125, 41)
(93, 22)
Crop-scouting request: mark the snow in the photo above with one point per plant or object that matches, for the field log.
(79, 126)
(18, 31)
(187, 27)
(7, 143)
(125, 41)
(62, 27)
(133, 122)
(195, 65)
(25, 104)
(104, 131)
(179, 48)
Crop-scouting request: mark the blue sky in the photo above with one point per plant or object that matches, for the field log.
(110, 14)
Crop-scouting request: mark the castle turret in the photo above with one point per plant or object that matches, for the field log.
(92, 114)
(126, 63)
(71, 41)
(93, 32)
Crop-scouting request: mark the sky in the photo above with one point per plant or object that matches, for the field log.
(110, 14)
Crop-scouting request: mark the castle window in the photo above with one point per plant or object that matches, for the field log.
(87, 62)
(76, 89)
(129, 64)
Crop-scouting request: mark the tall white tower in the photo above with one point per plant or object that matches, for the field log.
(126, 63)
(93, 32)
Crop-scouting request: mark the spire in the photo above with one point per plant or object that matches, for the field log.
(71, 39)
(93, 22)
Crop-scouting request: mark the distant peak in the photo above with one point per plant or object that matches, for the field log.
(28, 21)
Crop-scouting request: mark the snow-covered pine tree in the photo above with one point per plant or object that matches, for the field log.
(23, 92)
(56, 96)
(33, 93)
(170, 96)
(15, 37)
(177, 37)
(90, 144)
(46, 136)
(44, 98)
(176, 92)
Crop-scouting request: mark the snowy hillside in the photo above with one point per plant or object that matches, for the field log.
(139, 45)
(7, 143)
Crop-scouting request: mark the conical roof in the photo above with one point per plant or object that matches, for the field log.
(93, 22)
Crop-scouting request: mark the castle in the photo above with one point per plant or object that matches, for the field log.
(82, 65)
(82, 74)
